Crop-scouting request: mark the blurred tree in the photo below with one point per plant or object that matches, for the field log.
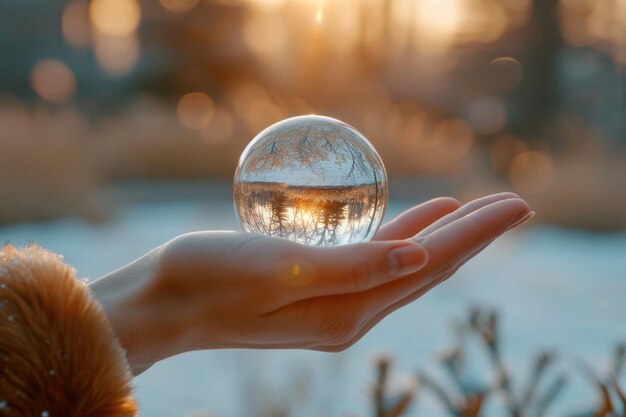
(538, 102)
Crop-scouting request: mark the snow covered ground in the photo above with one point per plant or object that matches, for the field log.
(556, 289)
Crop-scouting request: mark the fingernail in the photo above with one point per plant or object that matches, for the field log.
(521, 219)
(406, 260)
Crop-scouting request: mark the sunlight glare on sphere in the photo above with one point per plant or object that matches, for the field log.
(313, 180)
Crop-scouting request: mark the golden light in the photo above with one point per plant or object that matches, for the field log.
(319, 16)
(296, 272)
(439, 18)
(117, 56)
(195, 110)
(115, 18)
(532, 172)
(267, 4)
(178, 6)
(75, 23)
(265, 35)
(319, 13)
(345, 24)
(432, 24)
(53, 81)
(303, 216)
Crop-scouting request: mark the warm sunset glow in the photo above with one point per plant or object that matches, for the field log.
(115, 18)
(195, 110)
(75, 23)
(432, 24)
(319, 13)
(439, 18)
(53, 81)
(266, 35)
(319, 16)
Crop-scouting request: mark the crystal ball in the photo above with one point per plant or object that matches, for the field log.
(312, 180)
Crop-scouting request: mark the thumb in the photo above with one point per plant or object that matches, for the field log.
(352, 268)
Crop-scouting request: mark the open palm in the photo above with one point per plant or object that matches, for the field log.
(221, 289)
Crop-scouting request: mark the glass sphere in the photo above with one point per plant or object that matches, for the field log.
(313, 180)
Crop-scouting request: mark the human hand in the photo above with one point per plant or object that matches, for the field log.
(209, 290)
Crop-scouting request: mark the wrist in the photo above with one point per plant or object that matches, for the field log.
(147, 329)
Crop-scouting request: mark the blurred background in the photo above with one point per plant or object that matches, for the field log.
(121, 123)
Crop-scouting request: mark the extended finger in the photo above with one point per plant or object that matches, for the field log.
(447, 248)
(465, 210)
(417, 218)
(315, 272)
(376, 317)
(466, 237)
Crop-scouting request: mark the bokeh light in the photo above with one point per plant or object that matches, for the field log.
(115, 18)
(439, 18)
(53, 81)
(75, 24)
(505, 73)
(503, 149)
(117, 56)
(295, 272)
(195, 110)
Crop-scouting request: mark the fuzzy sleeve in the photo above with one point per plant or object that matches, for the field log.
(59, 356)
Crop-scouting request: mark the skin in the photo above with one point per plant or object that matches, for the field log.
(218, 289)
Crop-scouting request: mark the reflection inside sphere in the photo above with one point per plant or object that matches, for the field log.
(313, 180)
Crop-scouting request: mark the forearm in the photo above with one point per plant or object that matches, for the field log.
(148, 329)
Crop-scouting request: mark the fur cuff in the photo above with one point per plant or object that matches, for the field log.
(59, 356)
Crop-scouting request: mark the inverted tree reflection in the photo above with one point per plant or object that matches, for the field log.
(322, 216)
